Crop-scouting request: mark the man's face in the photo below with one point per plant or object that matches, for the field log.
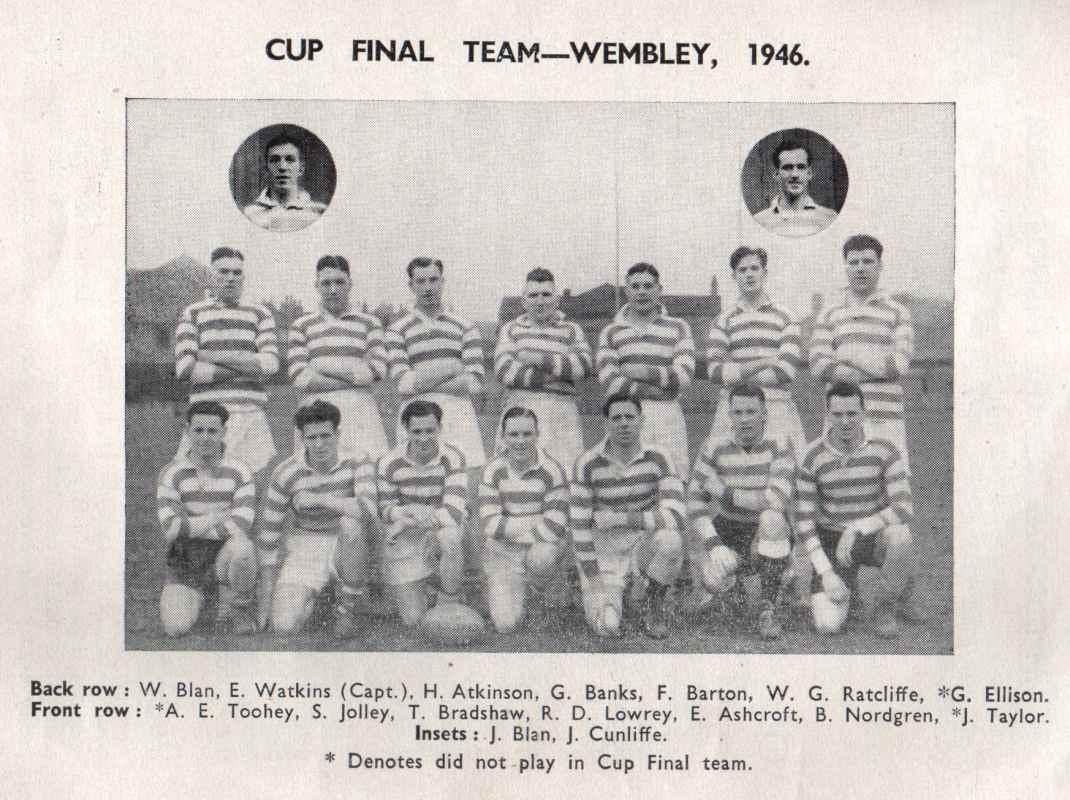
(540, 300)
(750, 275)
(863, 270)
(794, 173)
(624, 423)
(206, 434)
(321, 443)
(423, 435)
(520, 436)
(643, 292)
(748, 419)
(846, 418)
(333, 286)
(229, 278)
(427, 284)
(284, 167)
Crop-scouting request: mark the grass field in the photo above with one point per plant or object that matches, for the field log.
(152, 434)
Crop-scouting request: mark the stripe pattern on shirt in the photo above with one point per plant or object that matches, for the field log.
(752, 334)
(442, 484)
(665, 343)
(565, 351)
(767, 466)
(865, 334)
(415, 339)
(541, 491)
(182, 493)
(649, 484)
(352, 335)
(211, 325)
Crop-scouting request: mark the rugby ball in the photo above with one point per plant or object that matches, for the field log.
(828, 615)
(453, 624)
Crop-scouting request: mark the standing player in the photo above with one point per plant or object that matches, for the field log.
(854, 503)
(437, 356)
(205, 500)
(226, 350)
(320, 508)
(739, 498)
(336, 355)
(524, 510)
(867, 340)
(627, 508)
(423, 505)
(541, 358)
(646, 354)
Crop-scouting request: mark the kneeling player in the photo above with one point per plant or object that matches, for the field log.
(423, 491)
(627, 507)
(205, 501)
(524, 509)
(330, 505)
(738, 499)
(855, 502)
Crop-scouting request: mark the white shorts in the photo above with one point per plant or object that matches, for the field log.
(781, 420)
(361, 432)
(412, 556)
(560, 432)
(460, 427)
(664, 426)
(248, 437)
(309, 560)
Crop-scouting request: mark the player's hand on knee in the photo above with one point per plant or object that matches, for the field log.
(717, 567)
(845, 545)
(834, 587)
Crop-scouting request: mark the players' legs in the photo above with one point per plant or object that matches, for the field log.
(352, 555)
(450, 540)
(412, 601)
(236, 571)
(504, 564)
(897, 573)
(291, 607)
(772, 547)
(603, 604)
(660, 558)
(180, 605)
(407, 563)
(304, 574)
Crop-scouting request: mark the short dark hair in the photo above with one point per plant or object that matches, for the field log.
(741, 253)
(423, 261)
(519, 411)
(421, 408)
(746, 390)
(226, 252)
(863, 241)
(642, 266)
(788, 145)
(317, 411)
(621, 397)
(332, 262)
(285, 138)
(844, 389)
(211, 407)
(540, 275)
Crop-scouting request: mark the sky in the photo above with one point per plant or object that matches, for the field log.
(494, 189)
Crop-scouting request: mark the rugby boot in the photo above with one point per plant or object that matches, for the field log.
(655, 624)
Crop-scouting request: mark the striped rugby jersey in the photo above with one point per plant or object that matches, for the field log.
(442, 483)
(648, 483)
(182, 493)
(863, 334)
(352, 335)
(212, 325)
(541, 491)
(349, 477)
(564, 348)
(835, 488)
(665, 343)
(768, 465)
(748, 334)
(416, 339)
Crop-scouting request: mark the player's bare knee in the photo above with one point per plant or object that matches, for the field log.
(290, 609)
(450, 539)
(773, 526)
(179, 608)
(898, 540)
(541, 558)
(668, 542)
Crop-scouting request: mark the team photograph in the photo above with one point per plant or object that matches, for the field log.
(539, 377)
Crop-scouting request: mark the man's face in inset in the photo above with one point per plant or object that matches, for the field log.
(748, 419)
(624, 423)
(334, 286)
(750, 275)
(229, 275)
(206, 435)
(794, 173)
(846, 418)
(427, 284)
(863, 270)
(321, 443)
(284, 167)
(643, 291)
(540, 300)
